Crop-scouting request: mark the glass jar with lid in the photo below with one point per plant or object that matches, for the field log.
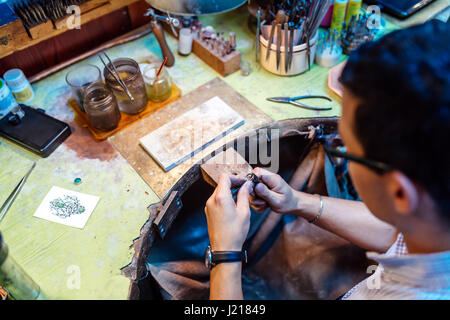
(158, 89)
(101, 107)
(130, 73)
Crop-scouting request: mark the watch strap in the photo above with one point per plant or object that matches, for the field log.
(228, 256)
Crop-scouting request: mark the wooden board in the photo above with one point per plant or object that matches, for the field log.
(185, 136)
(41, 30)
(229, 161)
(127, 140)
(11, 28)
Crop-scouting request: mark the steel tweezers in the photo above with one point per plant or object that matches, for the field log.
(298, 104)
(7, 204)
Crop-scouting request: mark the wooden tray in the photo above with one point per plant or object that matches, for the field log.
(126, 119)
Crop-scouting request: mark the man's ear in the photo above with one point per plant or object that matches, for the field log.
(403, 191)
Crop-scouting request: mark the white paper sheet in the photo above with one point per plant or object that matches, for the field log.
(67, 207)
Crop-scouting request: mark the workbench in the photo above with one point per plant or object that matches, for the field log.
(53, 254)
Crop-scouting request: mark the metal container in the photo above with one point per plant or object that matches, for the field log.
(101, 107)
(130, 73)
(299, 57)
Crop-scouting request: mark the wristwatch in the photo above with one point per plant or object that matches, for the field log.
(213, 258)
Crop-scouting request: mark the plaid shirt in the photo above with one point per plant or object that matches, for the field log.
(400, 275)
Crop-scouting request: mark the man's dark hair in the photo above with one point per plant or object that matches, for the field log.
(403, 83)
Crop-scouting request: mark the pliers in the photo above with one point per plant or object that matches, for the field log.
(298, 104)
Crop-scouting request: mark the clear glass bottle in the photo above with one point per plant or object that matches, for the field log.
(101, 107)
(13, 278)
(131, 75)
(159, 89)
(79, 78)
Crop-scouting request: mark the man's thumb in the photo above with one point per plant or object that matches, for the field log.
(263, 192)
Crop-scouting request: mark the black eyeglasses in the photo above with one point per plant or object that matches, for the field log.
(332, 143)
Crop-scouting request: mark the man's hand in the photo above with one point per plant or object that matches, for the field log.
(228, 222)
(274, 192)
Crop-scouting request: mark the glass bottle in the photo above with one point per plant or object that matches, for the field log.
(79, 78)
(101, 107)
(131, 75)
(159, 89)
(14, 279)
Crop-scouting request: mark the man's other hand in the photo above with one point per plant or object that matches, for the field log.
(274, 192)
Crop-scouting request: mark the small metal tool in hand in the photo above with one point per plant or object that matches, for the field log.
(298, 104)
(7, 204)
(253, 178)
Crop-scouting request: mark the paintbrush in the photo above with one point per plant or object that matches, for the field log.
(159, 71)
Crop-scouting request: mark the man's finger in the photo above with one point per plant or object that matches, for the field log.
(265, 193)
(237, 181)
(258, 202)
(223, 189)
(243, 197)
(271, 179)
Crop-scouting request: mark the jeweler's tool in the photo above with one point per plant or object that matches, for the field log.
(291, 43)
(7, 204)
(280, 19)
(286, 46)
(298, 104)
(249, 177)
(116, 75)
(272, 33)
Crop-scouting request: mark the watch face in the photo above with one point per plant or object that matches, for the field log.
(208, 257)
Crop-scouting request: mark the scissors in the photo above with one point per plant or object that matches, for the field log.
(298, 104)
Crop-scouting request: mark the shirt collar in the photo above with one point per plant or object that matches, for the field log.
(419, 269)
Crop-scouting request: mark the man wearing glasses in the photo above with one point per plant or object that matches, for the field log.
(395, 126)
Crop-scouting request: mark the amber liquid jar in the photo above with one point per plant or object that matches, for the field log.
(158, 88)
(101, 107)
(131, 75)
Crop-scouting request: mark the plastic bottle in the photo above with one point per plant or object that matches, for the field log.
(185, 39)
(7, 101)
(339, 10)
(19, 85)
(354, 6)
